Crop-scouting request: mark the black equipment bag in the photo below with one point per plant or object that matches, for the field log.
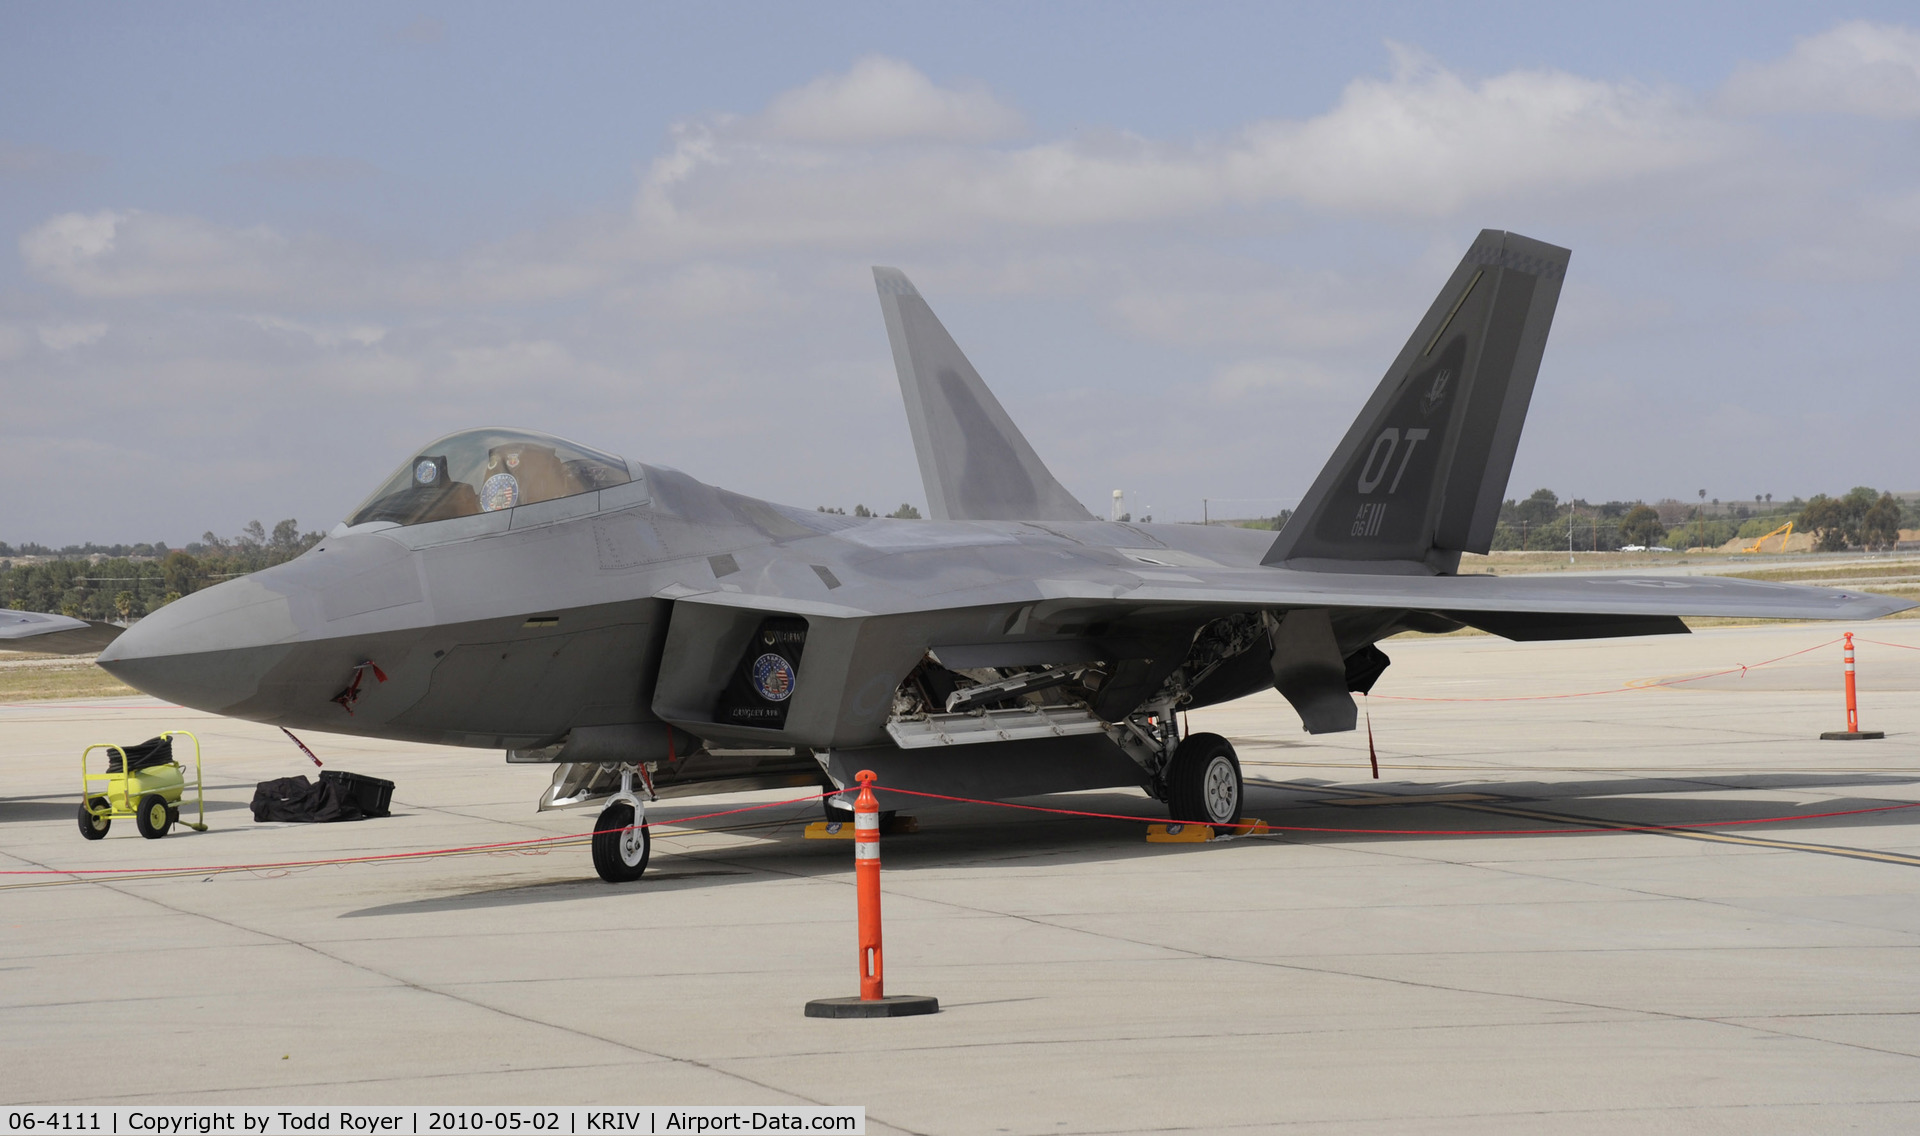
(298, 799)
(372, 795)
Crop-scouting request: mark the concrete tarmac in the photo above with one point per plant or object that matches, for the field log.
(1743, 978)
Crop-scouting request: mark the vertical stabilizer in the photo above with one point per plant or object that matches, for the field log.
(974, 461)
(1419, 477)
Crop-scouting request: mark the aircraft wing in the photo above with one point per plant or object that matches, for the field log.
(1530, 607)
(54, 634)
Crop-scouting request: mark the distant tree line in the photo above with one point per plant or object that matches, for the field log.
(1863, 518)
(1274, 523)
(122, 582)
(905, 512)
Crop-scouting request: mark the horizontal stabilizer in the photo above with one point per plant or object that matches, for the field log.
(54, 634)
(974, 462)
(1419, 477)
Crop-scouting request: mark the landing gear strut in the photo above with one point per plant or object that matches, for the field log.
(621, 844)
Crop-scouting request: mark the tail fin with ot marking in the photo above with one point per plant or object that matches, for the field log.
(1419, 478)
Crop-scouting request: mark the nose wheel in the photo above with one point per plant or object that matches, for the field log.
(620, 841)
(619, 851)
(1203, 781)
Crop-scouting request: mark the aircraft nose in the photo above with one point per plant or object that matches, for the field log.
(207, 650)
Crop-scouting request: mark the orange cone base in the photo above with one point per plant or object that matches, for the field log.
(892, 1006)
(1851, 735)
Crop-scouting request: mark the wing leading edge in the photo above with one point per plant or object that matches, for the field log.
(1576, 602)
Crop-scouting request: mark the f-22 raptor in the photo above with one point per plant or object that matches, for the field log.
(651, 635)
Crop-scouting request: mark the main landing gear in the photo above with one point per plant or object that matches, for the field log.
(1197, 776)
(1203, 781)
(620, 841)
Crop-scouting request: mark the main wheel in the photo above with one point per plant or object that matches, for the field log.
(1203, 781)
(619, 852)
(154, 817)
(93, 827)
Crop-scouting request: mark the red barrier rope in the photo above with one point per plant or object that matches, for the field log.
(540, 845)
(1742, 669)
(533, 844)
(1607, 827)
(1878, 643)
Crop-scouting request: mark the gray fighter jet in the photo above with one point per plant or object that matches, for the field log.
(651, 635)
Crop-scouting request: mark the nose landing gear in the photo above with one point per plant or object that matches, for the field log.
(621, 843)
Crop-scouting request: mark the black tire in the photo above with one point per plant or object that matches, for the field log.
(615, 864)
(154, 817)
(93, 827)
(1203, 781)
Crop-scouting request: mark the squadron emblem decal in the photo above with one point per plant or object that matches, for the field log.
(773, 677)
(1436, 394)
(501, 491)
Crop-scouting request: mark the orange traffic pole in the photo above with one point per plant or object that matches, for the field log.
(1853, 699)
(873, 1001)
(1853, 732)
(866, 872)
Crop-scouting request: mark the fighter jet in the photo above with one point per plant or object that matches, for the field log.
(651, 635)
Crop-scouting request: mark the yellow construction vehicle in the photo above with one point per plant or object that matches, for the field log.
(1783, 532)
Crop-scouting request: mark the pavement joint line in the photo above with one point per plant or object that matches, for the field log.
(1421, 985)
(148, 1098)
(1344, 1123)
(1161, 1036)
(1900, 858)
(447, 994)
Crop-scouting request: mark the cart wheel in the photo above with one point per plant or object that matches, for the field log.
(93, 827)
(154, 818)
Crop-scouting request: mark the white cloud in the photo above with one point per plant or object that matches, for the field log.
(1302, 318)
(67, 336)
(118, 255)
(885, 100)
(325, 335)
(1236, 294)
(1424, 143)
(1428, 142)
(15, 341)
(1287, 376)
(20, 161)
(112, 254)
(1855, 68)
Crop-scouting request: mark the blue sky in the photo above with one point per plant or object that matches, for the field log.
(257, 254)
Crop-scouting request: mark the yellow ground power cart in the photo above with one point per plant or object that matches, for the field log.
(143, 782)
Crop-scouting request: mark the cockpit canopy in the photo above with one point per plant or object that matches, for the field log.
(482, 471)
